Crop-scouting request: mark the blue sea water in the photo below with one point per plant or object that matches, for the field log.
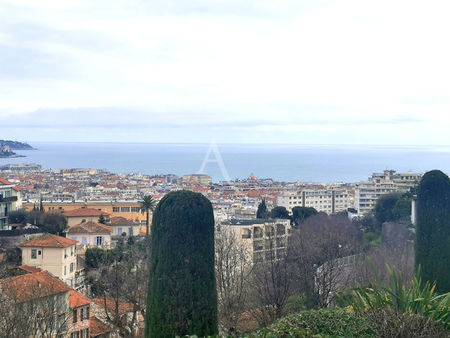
(306, 163)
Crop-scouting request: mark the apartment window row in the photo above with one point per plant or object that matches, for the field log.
(126, 209)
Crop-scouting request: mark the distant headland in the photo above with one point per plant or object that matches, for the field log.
(7, 147)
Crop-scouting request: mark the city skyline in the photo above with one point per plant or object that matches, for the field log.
(252, 72)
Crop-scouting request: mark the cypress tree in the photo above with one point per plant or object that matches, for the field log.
(262, 210)
(433, 229)
(182, 298)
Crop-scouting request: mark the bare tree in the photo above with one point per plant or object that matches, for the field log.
(33, 309)
(320, 251)
(233, 267)
(123, 284)
(271, 284)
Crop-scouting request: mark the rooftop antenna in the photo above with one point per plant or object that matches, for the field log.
(218, 159)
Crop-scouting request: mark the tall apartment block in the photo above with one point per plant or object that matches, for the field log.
(379, 184)
(328, 200)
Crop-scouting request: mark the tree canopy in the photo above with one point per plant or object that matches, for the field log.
(279, 212)
(262, 211)
(433, 229)
(182, 298)
(300, 214)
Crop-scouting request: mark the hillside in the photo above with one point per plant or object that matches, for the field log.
(15, 145)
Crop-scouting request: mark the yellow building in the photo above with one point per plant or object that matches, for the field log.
(129, 210)
(52, 253)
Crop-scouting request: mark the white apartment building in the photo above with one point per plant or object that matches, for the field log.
(10, 200)
(264, 239)
(379, 184)
(328, 200)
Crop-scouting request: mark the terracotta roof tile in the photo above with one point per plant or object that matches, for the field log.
(32, 285)
(111, 305)
(28, 268)
(97, 328)
(49, 241)
(5, 182)
(85, 212)
(76, 299)
(122, 221)
(90, 227)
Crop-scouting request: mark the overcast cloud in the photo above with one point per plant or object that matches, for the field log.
(307, 72)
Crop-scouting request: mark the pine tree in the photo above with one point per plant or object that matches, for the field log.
(101, 219)
(433, 229)
(182, 297)
(262, 210)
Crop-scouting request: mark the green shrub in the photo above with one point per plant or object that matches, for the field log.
(390, 323)
(420, 298)
(335, 322)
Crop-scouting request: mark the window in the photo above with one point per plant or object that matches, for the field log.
(85, 333)
(84, 240)
(75, 335)
(84, 313)
(74, 238)
(119, 231)
(125, 209)
(39, 252)
(65, 270)
(130, 231)
(99, 240)
(135, 209)
(75, 315)
(33, 253)
(72, 267)
(116, 209)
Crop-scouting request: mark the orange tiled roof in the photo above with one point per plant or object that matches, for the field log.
(119, 220)
(111, 305)
(5, 182)
(97, 328)
(85, 212)
(76, 299)
(49, 241)
(29, 269)
(32, 285)
(90, 227)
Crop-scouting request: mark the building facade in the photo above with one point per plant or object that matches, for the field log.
(10, 200)
(55, 254)
(379, 184)
(264, 239)
(328, 200)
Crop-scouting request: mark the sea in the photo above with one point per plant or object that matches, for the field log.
(280, 162)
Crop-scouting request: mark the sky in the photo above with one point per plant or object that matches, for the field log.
(253, 71)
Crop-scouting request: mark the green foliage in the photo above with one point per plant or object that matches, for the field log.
(384, 208)
(53, 223)
(147, 204)
(182, 295)
(433, 229)
(18, 217)
(420, 298)
(101, 219)
(335, 322)
(300, 214)
(279, 212)
(262, 210)
(389, 323)
(402, 208)
(372, 239)
(97, 257)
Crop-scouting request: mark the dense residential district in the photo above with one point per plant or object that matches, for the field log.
(73, 244)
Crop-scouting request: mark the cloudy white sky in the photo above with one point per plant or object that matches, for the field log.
(238, 71)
